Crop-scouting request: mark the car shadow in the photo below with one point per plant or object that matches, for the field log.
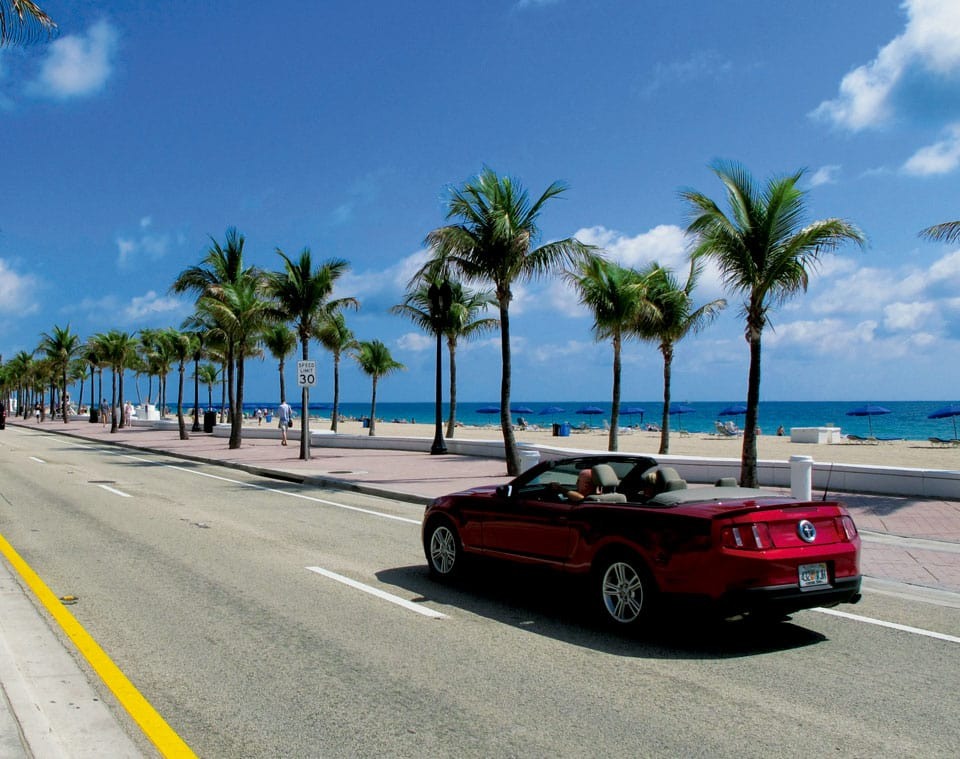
(545, 604)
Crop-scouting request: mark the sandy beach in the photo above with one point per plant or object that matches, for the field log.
(900, 453)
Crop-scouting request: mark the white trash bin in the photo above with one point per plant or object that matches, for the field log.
(529, 458)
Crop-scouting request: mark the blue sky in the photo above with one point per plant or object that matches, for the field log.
(143, 129)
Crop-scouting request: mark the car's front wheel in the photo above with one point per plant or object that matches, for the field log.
(442, 546)
(624, 591)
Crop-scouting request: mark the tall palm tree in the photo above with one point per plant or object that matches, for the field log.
(241, 311)
(115, 348)
(77, 373)
(334, 335)
(221, 266)
(180, 347)
(616, 296)
(460, 319)
(947, 232)
(147, 339)
(672, 318)
(204, 332)
(280, 340)
(375, 360)
(208, 375)
(496, 225)
(23, 21)
(302, 294)
(61, 346)
(766, 254)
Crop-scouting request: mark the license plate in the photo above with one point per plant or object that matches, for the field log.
(813, 574)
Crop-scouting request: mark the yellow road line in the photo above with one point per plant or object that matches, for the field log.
(153, 725)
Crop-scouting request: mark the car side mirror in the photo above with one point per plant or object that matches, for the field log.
(505, 491)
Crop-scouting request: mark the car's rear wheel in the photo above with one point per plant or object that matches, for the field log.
(623, 590)
(442, 546)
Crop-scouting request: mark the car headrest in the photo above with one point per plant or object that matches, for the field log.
(605, 477)
(726, 482)
(668, 479)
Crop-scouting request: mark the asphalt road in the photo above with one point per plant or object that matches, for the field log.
(223, 598)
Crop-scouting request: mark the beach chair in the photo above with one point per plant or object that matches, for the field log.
(862, 440)
(940, 442)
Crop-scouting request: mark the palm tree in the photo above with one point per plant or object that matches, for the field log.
(204, 332)
(303, 295)
(764, 254)
(461, 319)
(147, 339)
(947, 232)
(336, 337)
(375, 360)
(280, 341)
(241, 311)
(180, 346)
(616, 296)
(491, 241)
(61, 346)
(23, 21)
(115, 349)
(672, 318)
(220, 267)
(77, 373)
(208, 375)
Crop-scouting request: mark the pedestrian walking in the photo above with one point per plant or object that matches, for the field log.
(285, 414)
(104, 410)
(259, 415)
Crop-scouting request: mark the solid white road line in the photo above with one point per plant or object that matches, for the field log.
(891, 625)
(409, 605)
(114, 490)
(34, 458)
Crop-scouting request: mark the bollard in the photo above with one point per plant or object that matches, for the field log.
(801, 477)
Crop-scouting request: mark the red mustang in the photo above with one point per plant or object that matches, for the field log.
(643, 537)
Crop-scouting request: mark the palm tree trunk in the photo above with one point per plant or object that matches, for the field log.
(64, 397)
(612, 441)
(113, 400)
(748, 459)
(283, 384)
(511, 454)
(196, 395)
(180, 423)
(667, 352)
(336, 392)
(373, 408)
(93, 395)
(121, 423)
(236, 416)
(452, 420)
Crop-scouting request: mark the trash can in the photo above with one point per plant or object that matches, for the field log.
(366, 422)
(269, 418)
(94, 415)
(565, 429)
(3, 417)
(556, 429)
(529, 458)
(209, 420)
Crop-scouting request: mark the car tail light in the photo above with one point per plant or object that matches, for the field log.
(849, 528)
(748, 537)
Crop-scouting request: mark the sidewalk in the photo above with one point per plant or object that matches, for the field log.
(909, 544)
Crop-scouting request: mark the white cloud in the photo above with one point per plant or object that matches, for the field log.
(77, 66)
(132, 250)
(930, 43)
(417, 342)
(391, 281)
(940, 158)
(16, 291)
(908, 317)
(824, 175)
(823, 337)
(150, 304)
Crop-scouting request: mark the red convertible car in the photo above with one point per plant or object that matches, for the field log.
(643, 537)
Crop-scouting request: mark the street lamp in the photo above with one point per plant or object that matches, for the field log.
(439, 305)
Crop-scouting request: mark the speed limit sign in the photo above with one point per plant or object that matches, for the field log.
(307, 373)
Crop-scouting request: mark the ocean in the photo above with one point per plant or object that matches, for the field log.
(907, 419)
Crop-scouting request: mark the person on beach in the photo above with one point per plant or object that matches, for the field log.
(259, 415)
(285, 414)
(104, 410)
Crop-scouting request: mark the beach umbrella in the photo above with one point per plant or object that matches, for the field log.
(590, 410)
(735, 410)
(488, 410)
(678, 409)
(947, 411)
(633, 410)
(869, 411)
(520, 410)
(551, 410)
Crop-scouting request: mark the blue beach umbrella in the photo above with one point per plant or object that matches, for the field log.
(869, 411)
(735, 410)
(678, 409)
(551, 410)
(632, 411)
(488, 410)
(590, 410)
(945, 412)
(520, 410)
